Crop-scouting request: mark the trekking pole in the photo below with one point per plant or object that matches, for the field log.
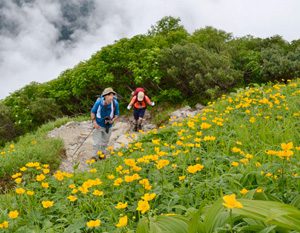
(83, 141)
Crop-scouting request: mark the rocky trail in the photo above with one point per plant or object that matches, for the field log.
(78, 141)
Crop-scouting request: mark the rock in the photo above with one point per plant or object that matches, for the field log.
(181, 112)
(199, 106)
(185, 112)
(78, 141)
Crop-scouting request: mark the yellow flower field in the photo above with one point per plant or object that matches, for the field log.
(240, 154)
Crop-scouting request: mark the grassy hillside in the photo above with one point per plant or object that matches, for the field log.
(172, 179)
(33, 146)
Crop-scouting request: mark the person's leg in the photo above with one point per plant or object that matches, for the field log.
(97, 134)
(136, 118)
(105, 141)
(141, 118)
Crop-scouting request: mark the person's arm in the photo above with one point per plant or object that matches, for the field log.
(148, 101)
(93, 114)
(131, 102)
(116, 113)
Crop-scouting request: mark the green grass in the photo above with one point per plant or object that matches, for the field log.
(34, 146)
(245, 125)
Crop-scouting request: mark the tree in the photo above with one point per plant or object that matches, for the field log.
(166, 25)
(7, 128)
(211, 38)
(198, 72)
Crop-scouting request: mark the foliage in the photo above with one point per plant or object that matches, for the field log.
(244, 148)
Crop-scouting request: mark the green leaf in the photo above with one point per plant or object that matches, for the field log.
(143, 226)
(271, 213)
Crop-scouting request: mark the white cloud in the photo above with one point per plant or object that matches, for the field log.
(31, 50)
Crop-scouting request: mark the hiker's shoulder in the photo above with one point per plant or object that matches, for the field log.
(116, 101)
(99, 101)
(134, 97)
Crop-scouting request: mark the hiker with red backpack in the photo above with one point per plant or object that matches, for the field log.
(139, 101)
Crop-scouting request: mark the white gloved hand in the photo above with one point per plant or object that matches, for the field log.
(128, 107)
(152, 104)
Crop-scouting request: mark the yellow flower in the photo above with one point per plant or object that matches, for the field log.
(93, 223)
(72, 186)
(46, 171)
(191, 124)
(199, 133)
(259, 190)
(287, 146)
(32, 164)
(236, 150)
(143, 206)
(181, 178)
(18, 180)
(4, 225)
(195, 168)
(258, 164)
(14, 176)
(59, 175)
(234, 164)
(13, 214)
(148, 196)
(122, 222)
(244, 191)
(230, 202)
(74, 191)
(23, 169)
(205, 125)
(252, 120)
(111, 177)
(20, 191)
(244, 161)
(45, 185)
(209, 138)
(30, 193)
(121, 205)
(72, 198)
(130, 162)
(47, 204)
(90, 161)
(268, 174)
(120, 154)
(98, 192)
(146, 184)
(40, 177)
(94, 170)
(156, 141)
(162, 163)
(118, 182)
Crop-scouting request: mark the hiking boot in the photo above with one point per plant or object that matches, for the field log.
(139, 127)
(135, 128)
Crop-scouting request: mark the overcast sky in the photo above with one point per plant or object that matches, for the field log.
(41, 38)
